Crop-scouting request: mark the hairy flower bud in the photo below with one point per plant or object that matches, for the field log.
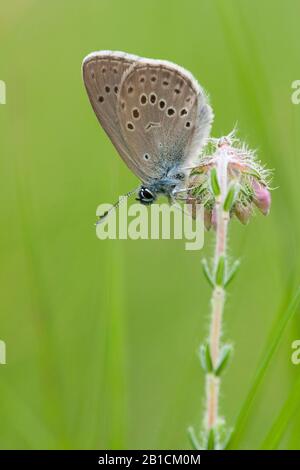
(192, 206)
(246, 184)
(243, 213)
(261, 197)
(207, 218)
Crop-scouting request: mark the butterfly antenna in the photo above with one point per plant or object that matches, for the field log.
(122, 198)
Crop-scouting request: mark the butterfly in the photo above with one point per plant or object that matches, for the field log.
(155, 113)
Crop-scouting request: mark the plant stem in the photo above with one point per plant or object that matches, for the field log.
(218, 294)
(225, 187)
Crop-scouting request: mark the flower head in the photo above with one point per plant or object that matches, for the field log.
(248, 176)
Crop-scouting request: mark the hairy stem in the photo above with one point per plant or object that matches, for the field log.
(218, 295)
(230, 182)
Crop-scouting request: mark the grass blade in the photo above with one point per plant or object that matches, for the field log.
(282, 421)
(273, 343)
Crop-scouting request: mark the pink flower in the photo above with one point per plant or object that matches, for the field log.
(262, 197)
(242, 171)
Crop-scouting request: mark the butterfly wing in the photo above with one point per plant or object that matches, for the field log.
(164, 116)
(102, 75)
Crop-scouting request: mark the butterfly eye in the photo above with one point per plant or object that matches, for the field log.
(146, 196)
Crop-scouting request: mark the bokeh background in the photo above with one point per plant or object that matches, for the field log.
(101, 336)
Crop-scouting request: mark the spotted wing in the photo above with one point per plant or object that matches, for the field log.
(102, 74)
(164, 116)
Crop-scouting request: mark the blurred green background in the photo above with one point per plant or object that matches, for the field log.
(101, 336)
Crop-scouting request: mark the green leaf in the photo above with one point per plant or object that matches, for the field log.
(220, 272)
(205, 358)
(224, 434)
(275, 337)
(193, 438)
(207, 272)
(211, 439)
(225, 442)
(232, 272)
(230, 197)
(215, 187)
(223, 359)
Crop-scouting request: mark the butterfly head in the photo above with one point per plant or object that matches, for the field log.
(167, 186)
(146, 195)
